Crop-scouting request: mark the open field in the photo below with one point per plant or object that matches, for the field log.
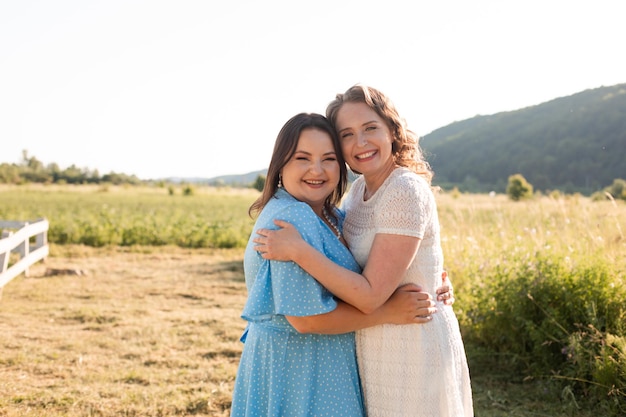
(139, 334)
(155, 333)
(153, 330)
(151, 216)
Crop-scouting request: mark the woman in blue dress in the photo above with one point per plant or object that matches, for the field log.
(299, 355)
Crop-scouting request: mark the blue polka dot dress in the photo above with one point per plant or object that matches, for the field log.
(282, 372)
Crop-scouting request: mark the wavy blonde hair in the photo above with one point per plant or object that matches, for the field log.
(405, 147)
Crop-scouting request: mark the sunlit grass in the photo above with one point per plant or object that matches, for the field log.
(480, 232)
(126, 216)
(154, 329)
(142, 334)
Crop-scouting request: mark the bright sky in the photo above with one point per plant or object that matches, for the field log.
(200, 88)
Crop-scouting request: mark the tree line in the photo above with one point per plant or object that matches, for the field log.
(32, 170)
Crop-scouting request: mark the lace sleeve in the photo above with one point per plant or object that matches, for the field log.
(406, 207)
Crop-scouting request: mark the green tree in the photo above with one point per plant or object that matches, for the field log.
(617, 189)
(518, 188)
(9, 173)
(259, 183)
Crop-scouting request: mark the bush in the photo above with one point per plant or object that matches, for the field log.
(518, 188)
(617, 189)
(549, 319)
(189, 190)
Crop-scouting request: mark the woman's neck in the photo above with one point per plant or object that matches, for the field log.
(318, 209)
(373, 181)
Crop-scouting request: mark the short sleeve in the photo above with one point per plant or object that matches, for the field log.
(406, 206)
(284, 287)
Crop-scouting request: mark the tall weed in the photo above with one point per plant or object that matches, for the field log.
(540, 287)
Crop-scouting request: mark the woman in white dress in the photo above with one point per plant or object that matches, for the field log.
(392, 229)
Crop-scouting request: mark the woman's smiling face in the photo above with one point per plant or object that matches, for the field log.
(365, 138)
(312, 173)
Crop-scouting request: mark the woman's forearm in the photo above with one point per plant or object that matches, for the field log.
(389, 258)
(351, 287)
(344, 319)
(406, 306)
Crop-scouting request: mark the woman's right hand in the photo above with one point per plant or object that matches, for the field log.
(278, 245)
(409, 305)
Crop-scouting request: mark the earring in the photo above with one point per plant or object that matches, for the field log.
(280, 181)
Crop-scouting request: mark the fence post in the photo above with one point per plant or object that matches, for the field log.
(19, 242)
(4, 257)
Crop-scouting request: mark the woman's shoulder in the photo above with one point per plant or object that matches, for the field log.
(355, 190)
(405, 178)
(406, 188)
(358, 183)
(284, 204)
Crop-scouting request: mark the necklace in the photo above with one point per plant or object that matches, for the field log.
(333, 225)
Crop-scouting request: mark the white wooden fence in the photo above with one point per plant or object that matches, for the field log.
(28, 239)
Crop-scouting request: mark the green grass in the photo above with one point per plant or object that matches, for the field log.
(539, 284)
(127, 216)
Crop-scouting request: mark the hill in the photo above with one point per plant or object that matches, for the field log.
(238, 180)
(241, 180)
(574, 144)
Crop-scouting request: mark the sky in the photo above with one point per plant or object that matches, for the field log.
(200, 88)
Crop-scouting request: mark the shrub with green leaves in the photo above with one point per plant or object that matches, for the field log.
(546, 317)
(518, 188)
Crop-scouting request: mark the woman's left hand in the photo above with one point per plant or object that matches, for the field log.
(409, 305)
(445, 293)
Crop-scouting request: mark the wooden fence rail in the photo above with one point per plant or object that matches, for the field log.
(28, 239)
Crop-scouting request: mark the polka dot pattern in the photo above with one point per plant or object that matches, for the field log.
(283, 372)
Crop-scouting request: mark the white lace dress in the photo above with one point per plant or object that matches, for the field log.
(408, 370)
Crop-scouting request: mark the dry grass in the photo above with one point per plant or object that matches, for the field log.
(155, 331)
(142, 334)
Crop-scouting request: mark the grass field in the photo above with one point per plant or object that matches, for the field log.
(139, 334)
(153, 330)
(155, 333)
